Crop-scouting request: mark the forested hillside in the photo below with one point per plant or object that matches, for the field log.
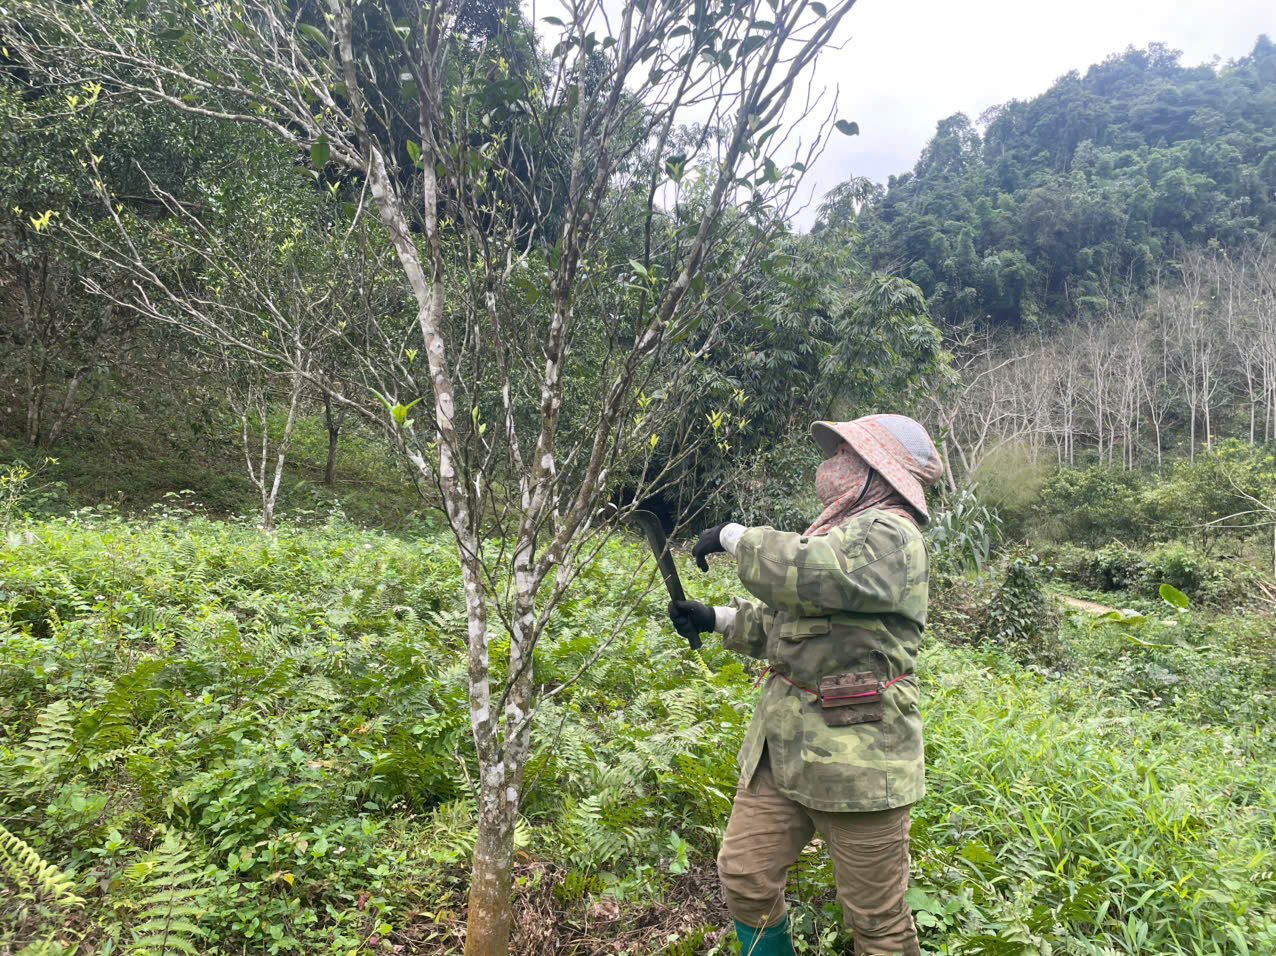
(1050, 205)
(1100, 257)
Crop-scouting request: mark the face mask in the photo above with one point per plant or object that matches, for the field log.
(844, 475)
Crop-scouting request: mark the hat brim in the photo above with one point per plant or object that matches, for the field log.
(827, 437)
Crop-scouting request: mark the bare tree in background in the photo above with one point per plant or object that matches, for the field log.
(1198, 350)
(501, 174)
(989, 407)
(1195, 344)
(253, 394)
(1251, 301)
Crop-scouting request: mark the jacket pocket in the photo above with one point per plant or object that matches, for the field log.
(800, 629)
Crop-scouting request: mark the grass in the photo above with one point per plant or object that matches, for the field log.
(271, 730)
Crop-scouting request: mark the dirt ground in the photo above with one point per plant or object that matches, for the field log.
(1091, 607)
(545, 926)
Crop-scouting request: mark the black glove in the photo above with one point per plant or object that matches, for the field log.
(691, 619)
(710, 542)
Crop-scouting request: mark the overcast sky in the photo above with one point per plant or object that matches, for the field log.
(909, 63)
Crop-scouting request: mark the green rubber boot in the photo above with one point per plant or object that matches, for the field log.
(772, 941)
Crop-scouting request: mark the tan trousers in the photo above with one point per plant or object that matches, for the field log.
(766, 833)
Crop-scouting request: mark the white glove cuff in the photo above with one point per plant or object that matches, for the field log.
(723, 618)
(730, 537)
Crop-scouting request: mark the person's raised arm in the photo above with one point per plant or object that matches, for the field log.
(866, 566)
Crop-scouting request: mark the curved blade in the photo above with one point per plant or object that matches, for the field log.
(654, 531)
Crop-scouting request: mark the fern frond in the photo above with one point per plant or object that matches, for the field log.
(49, 745)
(132, 694)
(23, 865)
(169, 914)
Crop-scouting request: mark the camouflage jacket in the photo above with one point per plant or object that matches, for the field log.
(850, 600)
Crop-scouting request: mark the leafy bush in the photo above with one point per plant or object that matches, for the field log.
(778, 487)
(1196, 498)
(1114, 567)
(1207, 579)
(25, 490)
(962, 536)
(1193, 500)
(1019, 617)
(1093, 506)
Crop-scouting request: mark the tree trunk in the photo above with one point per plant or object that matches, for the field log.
(68, 407)
(489, 919)
(270, 494)
(35, 410)
(334, 432)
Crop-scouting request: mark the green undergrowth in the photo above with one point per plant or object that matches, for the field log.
(138, 464)
(251, 743)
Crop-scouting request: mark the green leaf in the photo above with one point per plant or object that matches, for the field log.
(977, 853)
(553, 20)
(1124, 617)
(414, 152)
(530, 290)
(400, 415)
(312, 33)
(1173, 596)
(751, 43)
(847, 128)
(820, 9)
(921, 901)
(676, 166)
(320, 152)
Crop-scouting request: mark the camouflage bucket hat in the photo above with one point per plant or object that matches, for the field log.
(895, 445)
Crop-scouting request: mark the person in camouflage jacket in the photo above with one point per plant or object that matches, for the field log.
(835, 744)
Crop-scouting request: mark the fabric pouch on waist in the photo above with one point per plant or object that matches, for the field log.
(847, 699)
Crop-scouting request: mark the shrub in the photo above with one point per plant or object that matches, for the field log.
(777, 488)
(1019, 617)
(1197, 497)
(1070, 562)
(1208, 579)
(962, 536)
(1094, 505)
(1114, 567)
(24, 493)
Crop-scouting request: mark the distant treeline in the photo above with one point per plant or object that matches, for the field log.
(1091, 186)
(1174, 370)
